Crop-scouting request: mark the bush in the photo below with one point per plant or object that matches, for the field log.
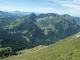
(5, 52)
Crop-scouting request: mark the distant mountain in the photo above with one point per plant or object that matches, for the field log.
(8, 16)
(20, 13)
(5, 14)
(14, 14)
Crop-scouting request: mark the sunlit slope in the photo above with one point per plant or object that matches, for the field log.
(66, 49)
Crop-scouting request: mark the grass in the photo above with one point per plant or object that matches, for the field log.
(66, 49)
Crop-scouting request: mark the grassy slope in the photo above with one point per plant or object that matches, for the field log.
(66, 49)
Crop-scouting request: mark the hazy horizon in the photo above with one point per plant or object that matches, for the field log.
(71, 7)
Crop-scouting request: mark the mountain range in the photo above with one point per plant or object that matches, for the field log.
(19, 31)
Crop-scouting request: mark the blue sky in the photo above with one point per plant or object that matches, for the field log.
(71, 7)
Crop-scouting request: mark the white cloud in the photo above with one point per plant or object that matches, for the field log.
(40, 9)
(71, 7)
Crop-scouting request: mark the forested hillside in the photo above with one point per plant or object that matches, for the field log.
(65, 49)
(27, 31)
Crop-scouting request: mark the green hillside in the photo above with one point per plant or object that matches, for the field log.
(66, 49)
(30, 31)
